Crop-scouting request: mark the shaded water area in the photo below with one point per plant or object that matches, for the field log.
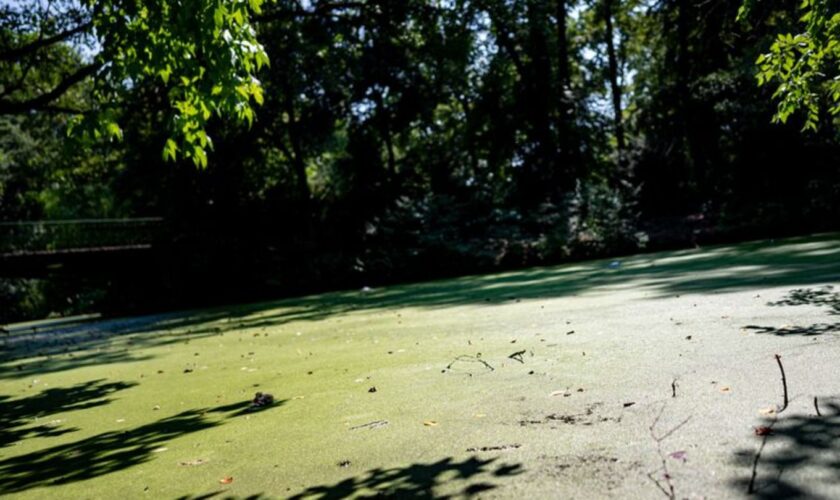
(793, 262)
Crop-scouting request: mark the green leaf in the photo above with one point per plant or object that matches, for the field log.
(165, 73)
(199, 157)
(114, 130)
(170, 150)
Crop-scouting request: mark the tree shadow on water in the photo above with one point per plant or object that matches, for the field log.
(801, 455)
(107, 452)
(415, 481)
(34, 350)
(41, 365)
(222, 495)
(824, 297)
(805, 331)
(17, 415)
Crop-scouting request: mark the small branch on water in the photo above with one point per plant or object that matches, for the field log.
(470, 359)
(751, 486)
(784, 382)
(669, 494)
(766, 432)
(517, 356)
(817, 406)
(674, 388)
(667, 488)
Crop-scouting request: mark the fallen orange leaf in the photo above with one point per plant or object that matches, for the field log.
(226, 480)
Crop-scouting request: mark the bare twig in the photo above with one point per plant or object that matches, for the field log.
(817, 406)
(517, 356)
(669, 494)
(751, 486)
(674, 388)
(667, 488)
(471, 359)
(767, 432)
(370, 425)
(784, 383)
(673, 430)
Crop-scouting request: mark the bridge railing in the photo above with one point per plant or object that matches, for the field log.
(78, 235)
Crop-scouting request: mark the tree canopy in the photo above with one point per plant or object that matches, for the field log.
(391, 140)
(203, 53)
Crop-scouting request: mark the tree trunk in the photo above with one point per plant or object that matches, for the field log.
(562, 58)
(385, 131)
(542, 169)
(566, 159)
(298, 164)
(615, 89)
(683, 95)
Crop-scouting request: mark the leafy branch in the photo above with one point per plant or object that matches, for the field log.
(803, 66)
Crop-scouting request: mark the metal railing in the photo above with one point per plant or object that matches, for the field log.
(78, 235)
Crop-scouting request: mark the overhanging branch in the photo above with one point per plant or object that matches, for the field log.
(17, 53)
(16, 107)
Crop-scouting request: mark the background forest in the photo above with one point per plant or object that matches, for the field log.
(401, 140)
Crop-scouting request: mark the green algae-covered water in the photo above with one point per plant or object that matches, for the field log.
(549, 382)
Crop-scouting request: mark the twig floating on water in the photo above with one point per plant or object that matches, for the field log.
(471, 359)
(517, 356)
(751, 485)
(766, 431)
(784, 383)
(495, 448)
(666, 486)
(371, 425)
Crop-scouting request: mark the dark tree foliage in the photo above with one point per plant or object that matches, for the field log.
(408, 139)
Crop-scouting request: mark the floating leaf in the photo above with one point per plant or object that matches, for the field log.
(430, 423)
(770, 411)
(226, 480)
(725, 389)
(678, 455)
